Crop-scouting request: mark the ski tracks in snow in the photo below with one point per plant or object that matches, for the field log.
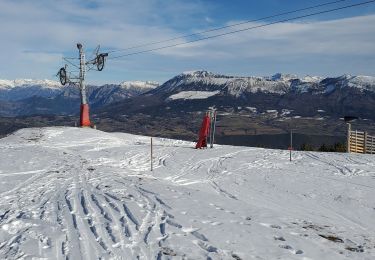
(98, 200)
(79, 212)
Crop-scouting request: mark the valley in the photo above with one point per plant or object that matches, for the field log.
(252, 111)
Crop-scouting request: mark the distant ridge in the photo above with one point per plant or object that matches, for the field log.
(196, 91)
(277, 84)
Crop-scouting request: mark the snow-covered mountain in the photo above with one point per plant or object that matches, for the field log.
(277, 84)
(79, 193)
(25, 88)
(108, 94)
(13, 90)
(25, 97)
(280, 84)
(140, 86)
(198, 90)
(47, 84)
(208, 81)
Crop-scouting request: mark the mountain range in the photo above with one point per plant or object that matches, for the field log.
(251, 110)
(198, 90)
(28, 97)
(307, 96)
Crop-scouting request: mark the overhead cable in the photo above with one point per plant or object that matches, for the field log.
(242, 30)
(225, 27)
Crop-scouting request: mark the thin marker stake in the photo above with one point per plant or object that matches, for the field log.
(291, 145)
(151, 155)
(213, 130)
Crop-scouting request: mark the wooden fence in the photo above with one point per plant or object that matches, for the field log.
(361, 142)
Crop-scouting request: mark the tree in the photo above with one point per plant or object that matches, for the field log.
(337, 147)
(306, 147)
(323, 148)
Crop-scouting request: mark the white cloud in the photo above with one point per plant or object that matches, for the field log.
(36, 34)
(339, 37)
(50, 29)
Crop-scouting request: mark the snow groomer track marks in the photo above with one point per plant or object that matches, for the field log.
(71, 193)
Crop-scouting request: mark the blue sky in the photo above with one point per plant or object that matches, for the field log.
(35, 35)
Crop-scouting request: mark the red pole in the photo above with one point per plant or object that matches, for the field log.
(204, 131)
(85, 116)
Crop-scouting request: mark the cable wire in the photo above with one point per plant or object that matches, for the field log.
(71, 58)
(242, 30)
(227, 26)
(71, 63)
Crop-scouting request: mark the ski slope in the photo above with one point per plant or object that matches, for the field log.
(72, 193)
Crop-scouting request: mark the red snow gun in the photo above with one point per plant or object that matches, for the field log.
(203, 133)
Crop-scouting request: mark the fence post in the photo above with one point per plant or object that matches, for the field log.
(348, 138)
(365, 143)
(210, 137)
(208, 114)
(151, 154)
(291, 145)
(213, 130)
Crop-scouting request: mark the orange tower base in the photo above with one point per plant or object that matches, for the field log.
(85, 116)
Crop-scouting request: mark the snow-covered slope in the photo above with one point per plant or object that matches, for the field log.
(194, 95)
(141, 86)
(71, 193)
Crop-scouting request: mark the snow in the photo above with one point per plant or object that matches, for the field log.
(13, 90)
(197, 73)
(362, 82)
(79, 193)
(277, 84)
(285, 112)
(252, 109)
(283, 77)
(48, 84)
(139, 84)
(193, 95)
(363, 79)
(303, 88)
(312, 79)
(190, 72)
(329, 89)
